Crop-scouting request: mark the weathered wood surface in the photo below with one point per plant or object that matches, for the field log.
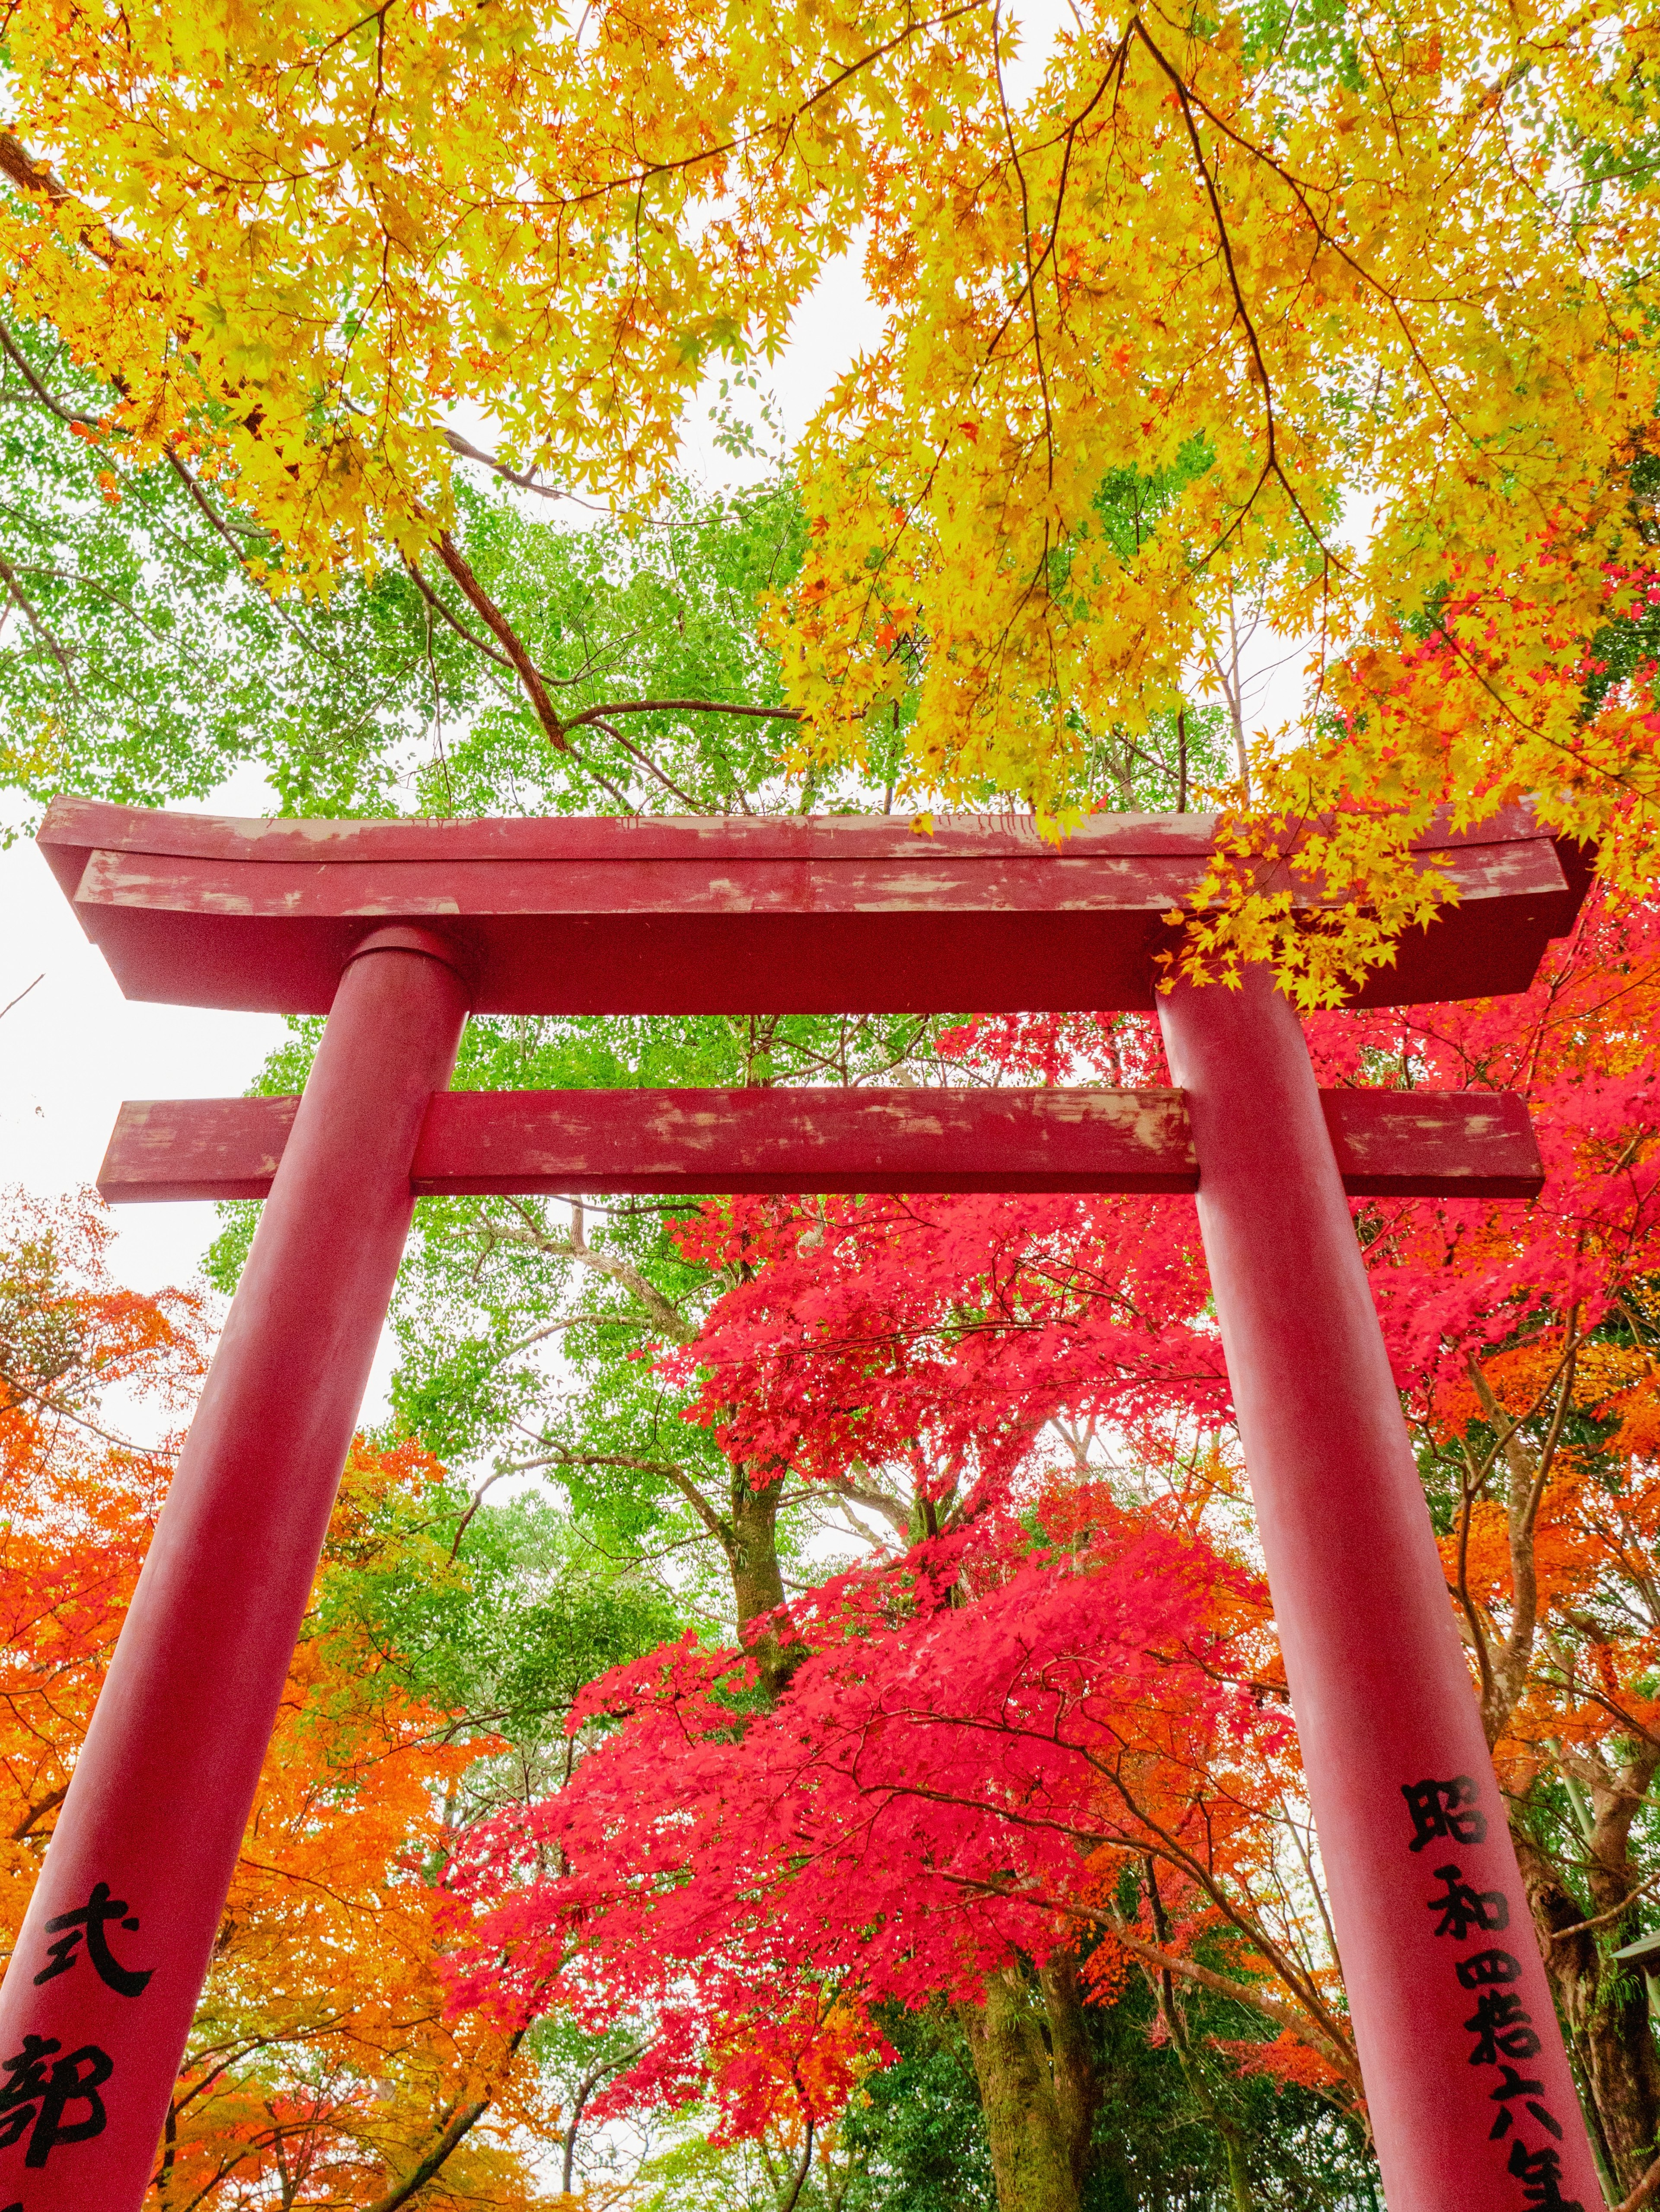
(670, 1143)
(825, 915)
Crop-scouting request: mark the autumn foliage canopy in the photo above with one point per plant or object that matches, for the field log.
(1148, 331)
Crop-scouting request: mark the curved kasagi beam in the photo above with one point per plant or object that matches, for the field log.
(813, 914)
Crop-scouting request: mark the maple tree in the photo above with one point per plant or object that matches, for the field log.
(905, 1825)
(1145, 331)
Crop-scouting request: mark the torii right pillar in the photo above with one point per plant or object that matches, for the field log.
(1471, 2097)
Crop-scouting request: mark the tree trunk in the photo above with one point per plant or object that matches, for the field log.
(1030, 2157)
(757, 1581)
(1606, 2013)
(1077, 2081)
(751, 1553)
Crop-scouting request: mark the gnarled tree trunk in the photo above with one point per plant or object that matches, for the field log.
(1604, 2009)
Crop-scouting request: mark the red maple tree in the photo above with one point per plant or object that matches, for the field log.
(1052, 1704)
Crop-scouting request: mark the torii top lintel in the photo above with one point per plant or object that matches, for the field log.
(810, 914)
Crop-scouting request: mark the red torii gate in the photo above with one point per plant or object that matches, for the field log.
(396, 930)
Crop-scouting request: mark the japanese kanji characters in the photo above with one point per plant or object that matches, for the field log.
(53, 2096)
(1502, 2024)
(42, 2090)
(1463, 1908)
(91, 1921)
(1540, 2172)
(1444, 1809)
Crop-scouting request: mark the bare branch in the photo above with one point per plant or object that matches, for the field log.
(21, 995)
(680, 706)
(585, 2089)
(479, 644)
(498, 624)
(469, 452)
(662, 1310)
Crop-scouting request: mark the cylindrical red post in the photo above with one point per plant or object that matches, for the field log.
(99, 1996)
(1472, 2102)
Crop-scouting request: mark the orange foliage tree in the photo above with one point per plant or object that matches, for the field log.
(322, 2068)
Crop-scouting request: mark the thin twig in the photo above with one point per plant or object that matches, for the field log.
(21, 995)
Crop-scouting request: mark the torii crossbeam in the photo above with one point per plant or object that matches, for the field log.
(396, 930)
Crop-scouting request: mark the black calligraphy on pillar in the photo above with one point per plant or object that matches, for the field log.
(1445, 1810)
(1463, 1908)
(1514, 2085)
(53, 2101)
(1540, 2172)
(90, 1924)
(1501, 2026)
(1484, 1967)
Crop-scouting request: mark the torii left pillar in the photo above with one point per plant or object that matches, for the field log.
(170, 1765)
